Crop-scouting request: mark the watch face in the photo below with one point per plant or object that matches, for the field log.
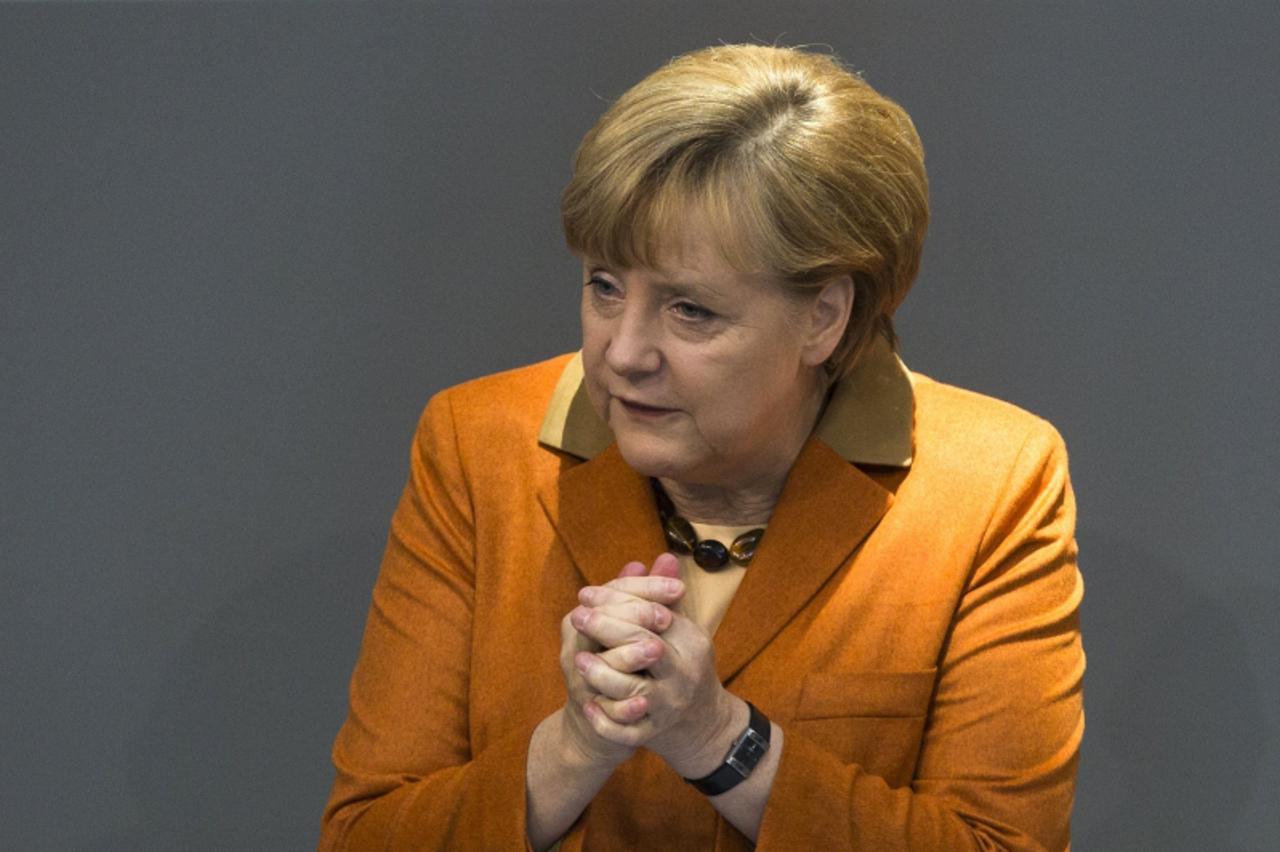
(753, 747)
(747, 751)
(744, 754)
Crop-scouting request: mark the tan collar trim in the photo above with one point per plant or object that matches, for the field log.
(867, 421)
(571, 423)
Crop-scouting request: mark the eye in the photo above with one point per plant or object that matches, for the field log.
(603, 288)
(692, 312)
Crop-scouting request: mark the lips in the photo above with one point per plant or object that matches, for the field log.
(636, 407)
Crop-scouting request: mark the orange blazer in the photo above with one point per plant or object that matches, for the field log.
(910, 620)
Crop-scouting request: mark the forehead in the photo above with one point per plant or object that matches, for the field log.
(696, 238)
(690, 266)
(696, 254)
(689, 242)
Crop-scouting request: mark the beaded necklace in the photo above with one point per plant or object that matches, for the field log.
(711, 555)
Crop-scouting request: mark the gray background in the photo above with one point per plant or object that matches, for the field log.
(240, 245)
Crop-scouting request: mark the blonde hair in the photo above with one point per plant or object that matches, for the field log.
(801, 169)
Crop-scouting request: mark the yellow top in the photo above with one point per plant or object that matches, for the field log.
(707, 593)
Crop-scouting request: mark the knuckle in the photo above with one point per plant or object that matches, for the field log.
(642, 613)
(665, 587)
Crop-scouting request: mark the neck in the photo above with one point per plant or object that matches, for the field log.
(711, 504)
(749, 500)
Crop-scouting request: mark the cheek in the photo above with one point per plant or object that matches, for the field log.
(592, 347)
(721, 400)
(595, 339)
(753, 396)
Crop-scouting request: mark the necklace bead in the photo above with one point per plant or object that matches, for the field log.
(710, 555)
(680, 534)
(743, 549)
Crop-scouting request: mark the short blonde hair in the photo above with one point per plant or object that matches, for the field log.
(802, 170)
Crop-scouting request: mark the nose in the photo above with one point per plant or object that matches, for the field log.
(632, 350)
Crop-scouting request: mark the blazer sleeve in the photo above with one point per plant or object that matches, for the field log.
(998, 759)
(405, 774)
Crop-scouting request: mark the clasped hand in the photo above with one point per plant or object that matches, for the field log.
(640, 674)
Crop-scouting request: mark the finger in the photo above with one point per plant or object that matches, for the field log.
(634, 657)
(632, 569)
(599, 596)
(627, 711)
(609, 630)
(607, 680)
(665, 590)
(686, 647)
(615, 732)
(571, 641)
(666, 565)
(642, 613)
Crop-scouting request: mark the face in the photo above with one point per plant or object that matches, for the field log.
(702, 372)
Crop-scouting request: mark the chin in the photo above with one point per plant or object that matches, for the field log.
(651, 458)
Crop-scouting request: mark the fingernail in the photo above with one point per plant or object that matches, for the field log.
(582, 662)
(578, 617)
(586, 595)
(661, 617)
(651, 650)
(671, 586)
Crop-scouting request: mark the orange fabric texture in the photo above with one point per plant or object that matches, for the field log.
(914, 632)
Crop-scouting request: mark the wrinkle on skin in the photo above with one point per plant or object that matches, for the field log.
(742, 388)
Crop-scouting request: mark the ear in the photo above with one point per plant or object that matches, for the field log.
(828, 317)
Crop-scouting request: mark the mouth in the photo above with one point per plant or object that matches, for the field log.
(639, 409)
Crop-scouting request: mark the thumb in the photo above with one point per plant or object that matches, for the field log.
(666, 565)
(632, 569)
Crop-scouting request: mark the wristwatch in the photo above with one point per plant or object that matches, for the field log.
(742, 758)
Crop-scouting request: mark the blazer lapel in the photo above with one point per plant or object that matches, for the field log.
(826, 509)
(605, 513)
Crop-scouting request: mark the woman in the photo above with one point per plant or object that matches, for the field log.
(733, 540)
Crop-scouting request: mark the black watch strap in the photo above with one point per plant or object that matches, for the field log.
(744, 754)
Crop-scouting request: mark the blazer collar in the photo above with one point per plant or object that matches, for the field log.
(604, 511)
(867, 420)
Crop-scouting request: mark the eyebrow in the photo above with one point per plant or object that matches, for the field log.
(688, 288)
(695, 289)
(691, 289)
